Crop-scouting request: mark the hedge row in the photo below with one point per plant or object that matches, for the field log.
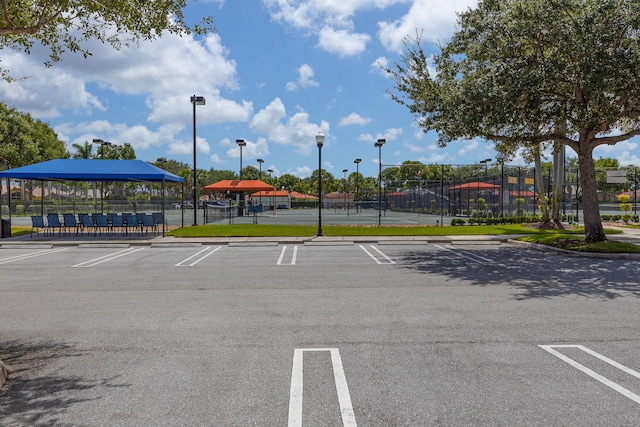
(529, 219)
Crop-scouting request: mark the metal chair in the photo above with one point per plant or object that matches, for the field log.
(117, 223)
(70, 222)
(86, 221)
(132, 222)
(149, 223)
(101, 223)
(37, 223)
(53, 222)
(157, 218)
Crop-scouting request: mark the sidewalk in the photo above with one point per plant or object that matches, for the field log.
(629, 235)
(72, 240)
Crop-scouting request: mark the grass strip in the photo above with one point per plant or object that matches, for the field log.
(572, 242)
(270, 230)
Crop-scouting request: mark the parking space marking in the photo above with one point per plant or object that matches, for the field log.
(389, 260)
(295, 395)
(467, 254)
(207, 251)
(108, 257)
(31, 255)
(293, 257)
(593, 374)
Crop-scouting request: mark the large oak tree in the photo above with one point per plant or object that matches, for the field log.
(523, 72)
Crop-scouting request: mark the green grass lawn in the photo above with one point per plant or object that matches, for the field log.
(566, 239)
(257, 230)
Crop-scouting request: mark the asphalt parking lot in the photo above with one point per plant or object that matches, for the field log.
(317, 334)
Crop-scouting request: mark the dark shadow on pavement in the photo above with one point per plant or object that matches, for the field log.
(533, 274)
(35, 396)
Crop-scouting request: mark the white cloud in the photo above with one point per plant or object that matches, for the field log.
(250, 151)
(301, 171)
(435, 19)
(625, 151)
(305, 14)
(469, 147)
(390, 134)
(354, 119)
(44, 93)
(295, 131)
(380, 65)
(164, 70)
(342, 42)
(414, 148)
(305, 78)
(178, 108)
(215, 158)
(186, 147)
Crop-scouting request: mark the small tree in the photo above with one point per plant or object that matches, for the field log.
(482, 206)
(625, 206)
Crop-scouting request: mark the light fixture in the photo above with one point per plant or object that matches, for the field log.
(379, 144)
(195, 100)
(241, 143)
(357, 162)
(320, 143)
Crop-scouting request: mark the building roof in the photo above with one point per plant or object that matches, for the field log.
(297, 195)
(276, 193)
(478, 185)
(237, 185)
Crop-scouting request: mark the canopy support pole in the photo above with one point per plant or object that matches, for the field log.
(182, 203)
(42, 198)
(163, 213)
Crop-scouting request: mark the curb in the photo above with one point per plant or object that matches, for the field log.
(545, 248)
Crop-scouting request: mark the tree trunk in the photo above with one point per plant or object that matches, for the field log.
(591, 208)
(544, 207)
(558, 181)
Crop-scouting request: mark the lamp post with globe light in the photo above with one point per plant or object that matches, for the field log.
(320, 143)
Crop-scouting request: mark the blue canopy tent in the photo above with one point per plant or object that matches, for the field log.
(94, 170)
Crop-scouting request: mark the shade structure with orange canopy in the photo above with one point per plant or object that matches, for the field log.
(478, 187)
(239, 186)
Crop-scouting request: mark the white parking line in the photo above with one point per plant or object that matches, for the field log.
(468, 255)
(295, 395)
(389, 260)
(109, 257)
(293, 257)
(182, 263)
(593, 374)
(31, 255)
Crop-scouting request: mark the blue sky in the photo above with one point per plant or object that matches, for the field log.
(275, 74)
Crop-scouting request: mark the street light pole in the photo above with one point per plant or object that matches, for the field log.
(102, 145)
(260, 162)
(379, 144)
(271, 198)
(486, 168)
(195, 100)
(320, 143)
(241, 143)
(346, 202)
(357, 162)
